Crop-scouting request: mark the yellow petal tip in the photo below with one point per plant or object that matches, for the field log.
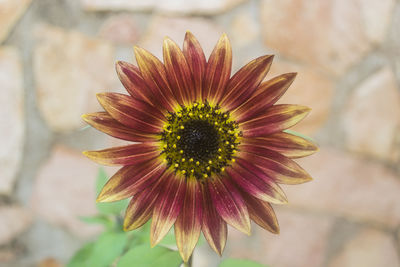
(100, 95)
(85, 117)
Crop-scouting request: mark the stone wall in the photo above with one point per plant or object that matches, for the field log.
(55, 55)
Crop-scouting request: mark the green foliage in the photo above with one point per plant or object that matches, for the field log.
(240, 263)
(108, 247)
(102, 219)
(114, 208)
(144, 256)
(81, 256)
(299, 135)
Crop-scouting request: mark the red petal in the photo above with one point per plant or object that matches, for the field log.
(262, 213)
(155, 77)
(289, 145)
(213, 226)
(278, 167)
(168, 207)
(255, 183)
(141, 206)
(124, 155)
(133, 82)
(179, 75)
(132, 112)
(243, 84)
(229, 203)
(130, 180)
(188, 224)
(218, 71)
(197, 62)
(102, 121)
(266, 95)
(276, 119)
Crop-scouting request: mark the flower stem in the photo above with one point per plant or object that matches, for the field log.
(189, 262)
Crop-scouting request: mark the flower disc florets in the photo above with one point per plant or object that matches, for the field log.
(200, 140)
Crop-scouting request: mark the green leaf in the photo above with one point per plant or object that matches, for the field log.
(98, 219)
(81, 256)
(144, 256)
(169, 239)
(113, 208)
(102, 178)
(107, 248)
(299, 135)
(240, 263)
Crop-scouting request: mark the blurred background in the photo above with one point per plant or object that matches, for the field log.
(55, 55)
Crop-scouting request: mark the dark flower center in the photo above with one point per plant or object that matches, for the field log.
(199, 140)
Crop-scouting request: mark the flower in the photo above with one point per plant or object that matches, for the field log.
(210, 149)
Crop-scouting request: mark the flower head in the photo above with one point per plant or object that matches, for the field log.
(210, 149)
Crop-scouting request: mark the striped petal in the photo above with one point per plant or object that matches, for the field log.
(278, 167)
(266, 95)
(132, 80)
(124, 155)
(130, 180)
(168, 207)
(229, 203)
(155, 77)
(289, 145)
(188, 224)
(213, 226)
(178, 72)
(243, 84)
(255, 183)
(102, 121)
(132, 112)
(262, 213)
(275, 119)
(218, 70)
(140, 208)
(197, 62)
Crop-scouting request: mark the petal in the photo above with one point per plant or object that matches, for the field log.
(218, 70)
(132, 112)
(276, 119)
(229, 203)
(124, 155)
(141, 206)
(213, 226)
(278, 167)
(167, 208)
(102, 121)
(188, 224)
(289, 145)
(130, 180)
(262, 213)
(178, 72)
(155, 77)
(266, 95)
(251, 182)
(243, 84)
(132, 80)
(197, 62)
